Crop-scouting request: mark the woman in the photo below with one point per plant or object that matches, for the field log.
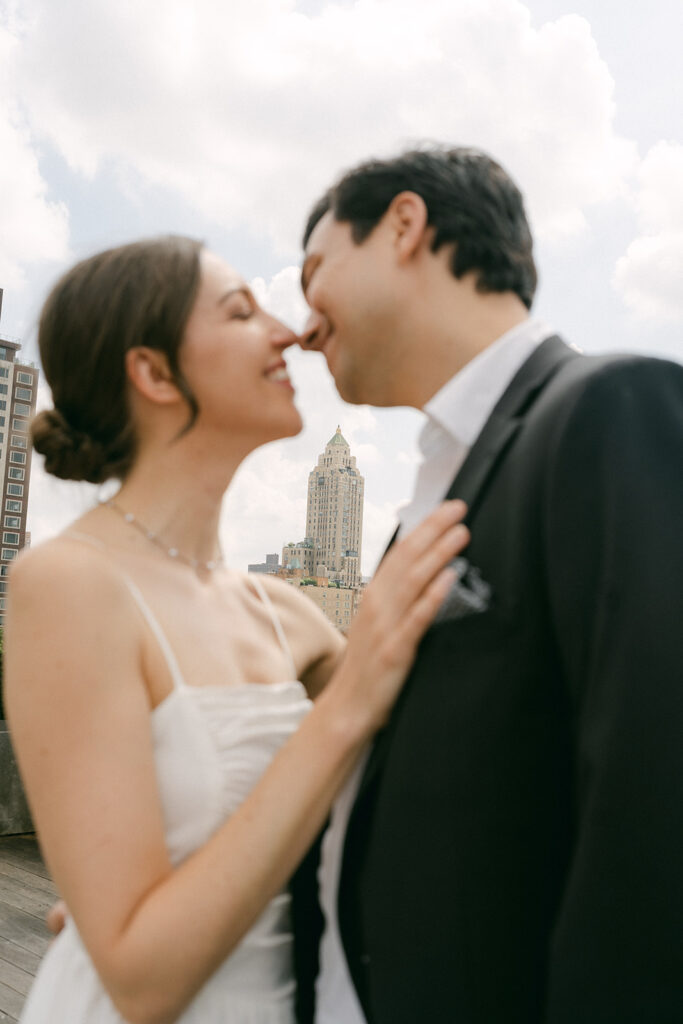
(173, 761)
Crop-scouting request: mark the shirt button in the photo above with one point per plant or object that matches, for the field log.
(365, 959)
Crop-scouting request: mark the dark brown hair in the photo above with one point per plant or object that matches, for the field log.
(471, 201)
(135, 295)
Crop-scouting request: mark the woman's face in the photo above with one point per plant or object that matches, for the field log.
(232, 356)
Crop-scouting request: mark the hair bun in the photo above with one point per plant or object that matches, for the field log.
(69, 453)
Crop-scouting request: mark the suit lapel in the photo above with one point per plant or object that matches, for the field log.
(506, 419)
(483, 458)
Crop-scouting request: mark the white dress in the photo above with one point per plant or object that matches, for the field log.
(211, 746)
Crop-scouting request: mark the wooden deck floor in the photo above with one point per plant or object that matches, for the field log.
(26, 892)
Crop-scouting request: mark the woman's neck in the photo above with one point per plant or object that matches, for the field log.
(178, 495)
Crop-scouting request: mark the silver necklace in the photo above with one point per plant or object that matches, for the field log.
(154, 538)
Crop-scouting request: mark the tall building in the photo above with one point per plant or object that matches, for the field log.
(334, 515)
(18, 388)
(326, 564)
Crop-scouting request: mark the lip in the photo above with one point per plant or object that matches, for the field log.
(285, 382)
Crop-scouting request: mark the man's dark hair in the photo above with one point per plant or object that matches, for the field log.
(471, 201)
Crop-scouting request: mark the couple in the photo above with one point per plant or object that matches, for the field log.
(510, 846)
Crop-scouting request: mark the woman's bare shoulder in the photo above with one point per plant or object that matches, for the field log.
(75, 570)
(70, 620)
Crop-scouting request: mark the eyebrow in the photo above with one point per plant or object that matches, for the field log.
(240, 290)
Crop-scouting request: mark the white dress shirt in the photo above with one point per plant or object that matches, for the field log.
(455, 417)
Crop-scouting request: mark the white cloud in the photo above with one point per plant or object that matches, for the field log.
(379, 523)
(249, 117)
(32, 227)
(649, 276)
(282, 296)
(265, 507)
(410, 458)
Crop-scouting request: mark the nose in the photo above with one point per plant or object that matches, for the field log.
(314, 333)
(281, 336)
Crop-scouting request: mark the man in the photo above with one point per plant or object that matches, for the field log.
(513, 848)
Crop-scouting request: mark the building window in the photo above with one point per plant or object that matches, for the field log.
(17, 457)
(19, 425)
(14, 522)
(16, 489)
(24, 393)
(3, 570)
(3, 353)
(3, 405)
(3, 389)
(13, 506)
(19, 409)
(4, 371)
(10, 538)
(15, 473)
(3, 587)
(18, 442)
(8, 554)
(2, 602)
(2, 421)
(24, 378)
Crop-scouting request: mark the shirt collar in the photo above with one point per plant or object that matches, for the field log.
(462, 406)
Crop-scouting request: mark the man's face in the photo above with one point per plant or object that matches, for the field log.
(351, 290)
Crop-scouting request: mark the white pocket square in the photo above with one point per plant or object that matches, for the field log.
(469, 595)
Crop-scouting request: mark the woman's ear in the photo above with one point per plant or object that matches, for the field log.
(408, 217)
(148, 371)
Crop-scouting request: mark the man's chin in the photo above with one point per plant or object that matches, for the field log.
(350, 395)
(358, 392)
(349, 390)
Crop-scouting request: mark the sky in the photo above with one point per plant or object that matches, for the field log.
(226, 120)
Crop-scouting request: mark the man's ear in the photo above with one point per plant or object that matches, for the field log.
(407, 216)
(148, 371)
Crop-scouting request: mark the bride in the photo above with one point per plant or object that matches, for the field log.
(182, 728)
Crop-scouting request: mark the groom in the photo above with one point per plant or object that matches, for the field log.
(512, 850)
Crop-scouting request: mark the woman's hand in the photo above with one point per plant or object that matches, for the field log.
(398, 606)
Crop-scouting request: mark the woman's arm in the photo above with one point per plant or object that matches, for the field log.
(80, 721)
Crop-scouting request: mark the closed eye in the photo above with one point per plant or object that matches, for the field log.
(240, 307)
(239, 303)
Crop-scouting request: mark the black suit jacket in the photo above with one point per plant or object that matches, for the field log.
(515, 853)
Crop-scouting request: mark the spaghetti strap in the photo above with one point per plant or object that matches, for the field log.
(161, 638)
(277, 625)
(147, 613)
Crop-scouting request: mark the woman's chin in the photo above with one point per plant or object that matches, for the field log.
(297, 425)
(288, 428)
